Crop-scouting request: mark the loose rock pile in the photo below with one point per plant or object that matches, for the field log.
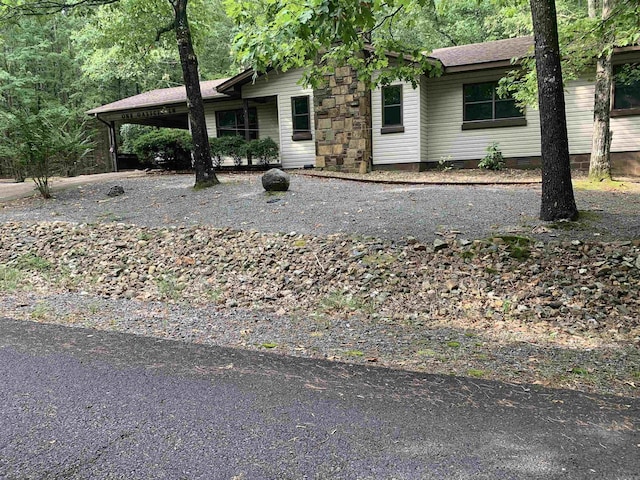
(581, 288)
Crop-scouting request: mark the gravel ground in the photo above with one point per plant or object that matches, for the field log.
(567, 317)
(325, 206)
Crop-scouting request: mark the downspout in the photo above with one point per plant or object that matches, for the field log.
(247, 133)
(113, 145)
(370, 159)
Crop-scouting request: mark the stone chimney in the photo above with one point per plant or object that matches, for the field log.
(343, 122)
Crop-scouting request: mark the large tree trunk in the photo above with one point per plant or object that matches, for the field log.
(592, 7)
(557, 192)
(600, 161)
(203, 166)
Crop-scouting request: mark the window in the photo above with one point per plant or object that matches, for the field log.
(392, 109)
(483, 107)
(301, 115)
(231, 122)
(626, 94)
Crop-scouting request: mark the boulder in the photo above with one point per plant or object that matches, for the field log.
(275, 180)
(115, 191)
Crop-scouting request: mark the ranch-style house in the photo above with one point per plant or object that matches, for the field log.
(346, 126)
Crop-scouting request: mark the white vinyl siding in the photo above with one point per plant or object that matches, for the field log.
(402, 147)
(424, 130)
(293, 154)
(268, 120)
(210, 110)
(446, 138)
(444, 123)
(579, 100)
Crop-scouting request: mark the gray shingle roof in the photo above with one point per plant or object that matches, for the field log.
(481, 53)
(477, 54)
(161, 96)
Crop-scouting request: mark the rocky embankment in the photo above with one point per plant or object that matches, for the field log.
(511, 283)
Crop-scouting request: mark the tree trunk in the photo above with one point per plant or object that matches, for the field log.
(203, 166)
(592, 8)
(600, 160)
(557, 192)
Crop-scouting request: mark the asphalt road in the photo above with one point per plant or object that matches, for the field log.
(83, 404)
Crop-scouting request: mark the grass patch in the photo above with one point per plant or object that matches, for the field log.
(354, 353)
(40, 311)
(30, 261)
(579, 371)
(585, 217)
(600, 185)
(10, 278)
(339, 301)
(214, 295)
(517, 246)
(453, 344)
(467, 254)
(475, 373)
(379, 259)
(107, 217)
(169, 287)
(275, 194)
(269, 345)
(427, 352)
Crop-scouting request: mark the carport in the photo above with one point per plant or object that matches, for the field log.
(163, 108)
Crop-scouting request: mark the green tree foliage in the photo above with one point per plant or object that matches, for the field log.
(318, 34)
(40, 99)
(121, 43)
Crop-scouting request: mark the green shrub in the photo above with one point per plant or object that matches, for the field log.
(217, 150)
(129, 133)
(493, 160)
(264, 150)
(234, 147)
(166, 148)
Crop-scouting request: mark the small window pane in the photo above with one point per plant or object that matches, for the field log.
(301, 122)
(301, 114)
(507, 109)
(627, 87)
(479, 92)
(392, 95)
(227, 119)
(300, 105)
(393, 115)
(478, 111)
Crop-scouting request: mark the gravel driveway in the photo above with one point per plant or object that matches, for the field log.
(325, 206)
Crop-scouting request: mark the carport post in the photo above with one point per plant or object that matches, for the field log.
(113, 142)
(113, 145)
(247, 133)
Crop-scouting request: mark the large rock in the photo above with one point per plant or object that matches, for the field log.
(275, 180)
(115, 191)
